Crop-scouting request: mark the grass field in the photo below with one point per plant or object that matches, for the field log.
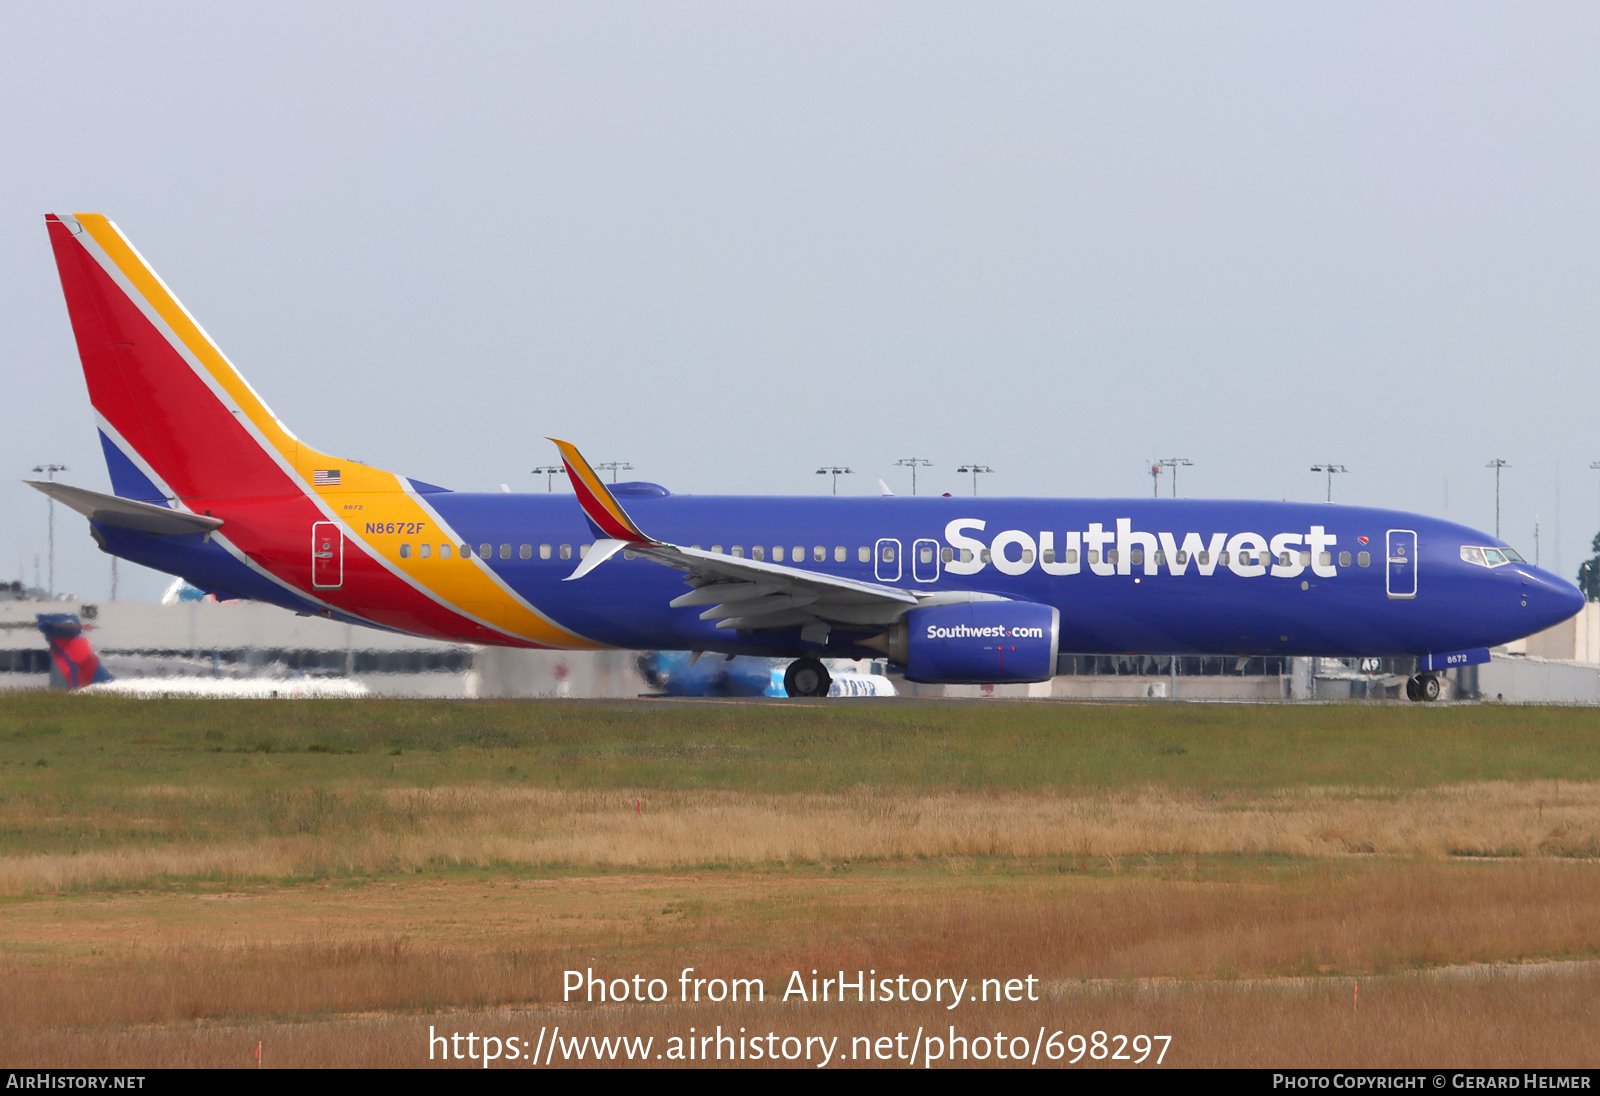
(182, 879)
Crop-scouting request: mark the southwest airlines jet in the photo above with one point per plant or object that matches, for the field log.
(209, 485)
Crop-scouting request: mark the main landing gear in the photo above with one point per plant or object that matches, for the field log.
(1423, 687)
(806, 677)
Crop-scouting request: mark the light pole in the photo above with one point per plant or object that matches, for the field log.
(835, 471)
(1594, 464)
(1330, 469)
(1497, 464)
(549, 472)
(614, 465)
(914, 463)
(1155, 479)
(1174, 463)
(976, 470)
(50, 471)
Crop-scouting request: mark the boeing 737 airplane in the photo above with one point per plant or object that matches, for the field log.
(209, 485)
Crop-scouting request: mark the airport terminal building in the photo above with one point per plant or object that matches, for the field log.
(246, 638)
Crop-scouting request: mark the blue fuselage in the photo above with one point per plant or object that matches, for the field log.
(1128, 575)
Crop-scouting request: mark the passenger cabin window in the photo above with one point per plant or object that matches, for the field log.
(1111, 555)
(777, 553)
(405, 551)
(583, 550)
(1161, 558)
(758, 552)
(1027, 556)
(1070, 556)
(486, 551)
(566, 551)
(1136, 557)
(839, 554)
(1344, 559)
(1305, 558)
(819, 554)
(1093, 556)
(738, 551)
(505, 551)
(544, 551)
(1364, 559)
(864, 554)
(717, 548)
(966, 555)
(1222, 559)
(444, 551)
(1205, 559)
(983, 554)
(1049, 556)
(424, 550)
(1183, 558)
(925, 555)
(525, 552)
(888, 553)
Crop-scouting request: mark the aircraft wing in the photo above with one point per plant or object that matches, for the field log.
(740, 594)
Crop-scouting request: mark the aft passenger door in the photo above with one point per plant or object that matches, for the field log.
(1401, 554)
(327, 556)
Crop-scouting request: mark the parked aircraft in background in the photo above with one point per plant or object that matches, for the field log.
(209, 485)
(75, 665)
(679, 673)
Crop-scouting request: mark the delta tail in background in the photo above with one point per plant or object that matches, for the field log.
(207, 484)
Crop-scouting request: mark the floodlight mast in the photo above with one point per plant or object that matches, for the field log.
(976, 470)
(50, 471)
(835, 471)
(914, 463)
(1175, 463)
(613, 465)
(549, 472)
(1497, 464)
(1330, 469)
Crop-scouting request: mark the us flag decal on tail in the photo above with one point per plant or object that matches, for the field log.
(325, 477)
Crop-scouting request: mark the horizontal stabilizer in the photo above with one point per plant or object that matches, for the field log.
(124, 513)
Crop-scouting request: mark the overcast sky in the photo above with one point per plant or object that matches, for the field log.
(728, 243)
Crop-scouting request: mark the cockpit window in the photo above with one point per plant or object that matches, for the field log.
(1489, 557)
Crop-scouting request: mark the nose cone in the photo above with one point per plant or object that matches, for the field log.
(1548, 598)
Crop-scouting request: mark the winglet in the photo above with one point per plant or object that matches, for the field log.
(606, 517)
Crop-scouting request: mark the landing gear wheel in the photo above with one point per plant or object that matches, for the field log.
(1423, 687)
(806, 677)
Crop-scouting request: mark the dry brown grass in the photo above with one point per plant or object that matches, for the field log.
(312, 952)
(529, 828)
(1501, 1019)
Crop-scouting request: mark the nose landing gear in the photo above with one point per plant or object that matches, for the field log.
(807, 677)
(1423, 687)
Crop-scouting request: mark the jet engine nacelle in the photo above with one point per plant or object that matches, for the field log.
(977, 642)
